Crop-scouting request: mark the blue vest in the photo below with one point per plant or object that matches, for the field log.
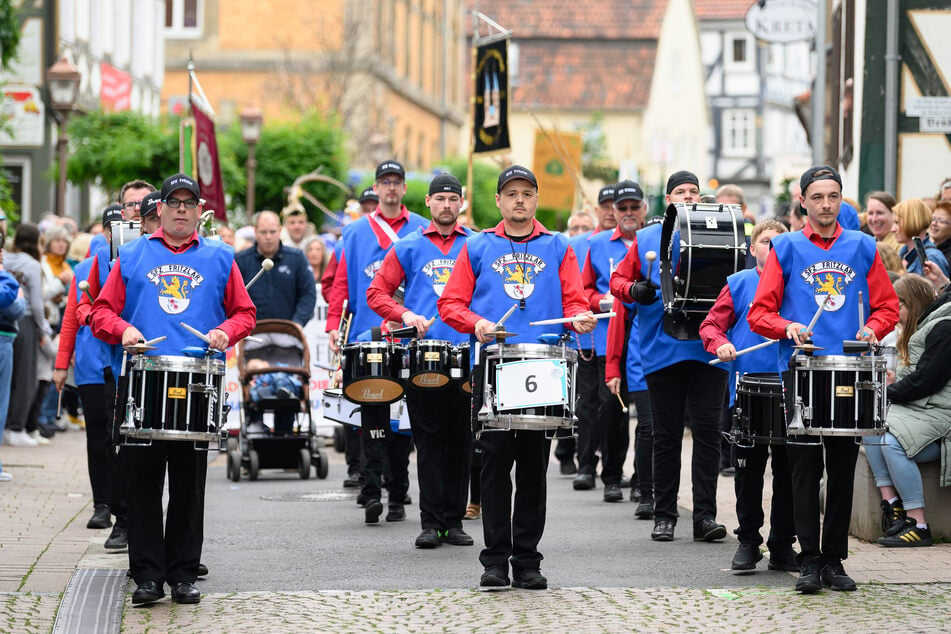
(601, 250)
(100, 245)
(810, 273)
(427, 270)
(579, 244)
(504, 273)
(165, 288)
(364, 257)
(92, 355)
(658, 349)
(632, 360)
(743, 288)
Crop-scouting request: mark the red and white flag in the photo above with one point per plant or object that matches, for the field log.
(207, 166)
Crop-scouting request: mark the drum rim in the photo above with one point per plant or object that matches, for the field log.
(155, 433)
(524, 422)
(840, 362)
(514, 349)
(358, 345)
(440, 343)
(175, 363)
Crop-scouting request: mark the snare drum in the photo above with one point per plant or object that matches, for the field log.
(758, 416)
(338, 409)
(461, 369)
(372, 372)
(430, 363)
(837, 396)
(174, 398)
(528, 386)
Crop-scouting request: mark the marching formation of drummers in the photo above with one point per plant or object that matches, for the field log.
(481, 348)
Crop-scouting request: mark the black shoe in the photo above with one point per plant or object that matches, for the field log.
(372, 511)
(910, 537)
(625, 482)
(118, 538)
(407, 500)
(834, 577)
(495, 578)
(746, 557)
(568, 467)
(361, 499)
(708, 531)
(645, 508)
(352, 481)
(47, 432)
(808, 581)
(458, 537)
(663, 531)
(101, 517)
(396, 513)
(583, 482)
(893, 517)
(529, 580)
(202, 570)
(612, 493)
(782, 558)
(728, 472)
(185, 593)
(429, 538)
(636, 494)
(147, 592)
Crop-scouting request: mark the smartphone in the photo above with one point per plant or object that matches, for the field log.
(920, 249)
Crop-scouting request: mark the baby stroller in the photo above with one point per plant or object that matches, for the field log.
(283, 348)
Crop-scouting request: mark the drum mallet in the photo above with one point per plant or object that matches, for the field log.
(739, 353)
(569, 320)
(84, 287)
(651, 256)
(623, 404)
(266, 265)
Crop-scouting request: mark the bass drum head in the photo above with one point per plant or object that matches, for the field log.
(373, 390)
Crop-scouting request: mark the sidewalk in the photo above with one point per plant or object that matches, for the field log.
(43, 539)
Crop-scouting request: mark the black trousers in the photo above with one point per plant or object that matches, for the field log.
(672, 389)
(353, 450)
(98, 400)
(589, 433)
(170, 555)
(513, 531)
(379, 442)
(443, 437)
(614, 429)
(748, 484)
(806, 465)
(643, 442)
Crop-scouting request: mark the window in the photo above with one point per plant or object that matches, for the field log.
(739, 52)
(183, 18)
(739, 133)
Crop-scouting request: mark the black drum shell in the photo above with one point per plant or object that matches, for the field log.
(758, 416)
(372, 372)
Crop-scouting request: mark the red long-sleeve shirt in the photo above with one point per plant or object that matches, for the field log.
(617, 339)
(590, 279)
(391, 274)
(108, 325)
(454, 302)
(764, 315)
(626, 273)
(718, 321)
(327, 279)
(67, 330)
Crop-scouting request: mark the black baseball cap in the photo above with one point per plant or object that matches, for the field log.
(112, 213)
(150, 203)
(390, 167)
(179, 181)
(367, 195)
(627, 190)
(606, 194)
(445, 183)
(680, 178)
(818, 173)
(515, 172)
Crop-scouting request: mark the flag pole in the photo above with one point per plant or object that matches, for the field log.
(469, 188)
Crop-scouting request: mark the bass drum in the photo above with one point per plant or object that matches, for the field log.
(701, 244)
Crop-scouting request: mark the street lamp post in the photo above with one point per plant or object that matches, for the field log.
(62, 81)
(251, 122)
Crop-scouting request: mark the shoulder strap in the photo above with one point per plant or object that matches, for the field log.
(386, 228)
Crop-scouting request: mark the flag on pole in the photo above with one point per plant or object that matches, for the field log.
(207, 166)
(491, 121)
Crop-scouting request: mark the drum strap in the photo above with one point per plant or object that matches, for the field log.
(386, 228)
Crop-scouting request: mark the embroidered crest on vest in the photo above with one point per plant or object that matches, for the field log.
(175, 283)
(828, 278)
(371, 268)
(518, 273)
(438, 271)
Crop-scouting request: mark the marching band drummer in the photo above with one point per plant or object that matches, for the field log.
(158, 281)
(803, 270)
(723, 331)
(520, 261)
(366, 242)
(439, 417)
(678, 376)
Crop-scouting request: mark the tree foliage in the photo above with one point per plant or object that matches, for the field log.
(9, 48)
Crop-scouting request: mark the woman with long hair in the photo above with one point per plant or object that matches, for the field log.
(919, 419)
(914, 218)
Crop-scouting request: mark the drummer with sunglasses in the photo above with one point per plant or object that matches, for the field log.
(804, 270)
(518, 262)
(158, 281)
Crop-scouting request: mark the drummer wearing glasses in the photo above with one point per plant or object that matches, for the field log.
(516, 262)
(822, 265)
(158, 281)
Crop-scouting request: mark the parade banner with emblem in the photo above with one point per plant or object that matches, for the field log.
(491, 121)
(556, 155)
(207, 165)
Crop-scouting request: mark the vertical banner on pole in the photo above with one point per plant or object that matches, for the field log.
(491, 121)
(209, 168)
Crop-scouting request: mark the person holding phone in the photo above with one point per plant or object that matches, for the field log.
(914, 218)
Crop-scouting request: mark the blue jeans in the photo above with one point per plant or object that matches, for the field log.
(891, 466)
(6, 372)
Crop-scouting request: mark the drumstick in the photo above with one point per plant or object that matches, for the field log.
(861, 313)
(815, 318)
(568, 320)
(254, 339)
(739, 353)
(59, 403)
(621, 401)
(508, 313)
(84, 287)
(266, 265)
(195, 332)
(152, 342)
(611, 266)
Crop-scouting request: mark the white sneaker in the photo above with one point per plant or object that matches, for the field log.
(18, 439)
(5, 476)
(38, 438)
